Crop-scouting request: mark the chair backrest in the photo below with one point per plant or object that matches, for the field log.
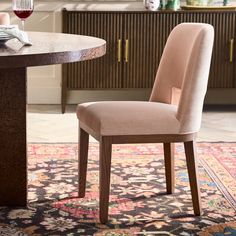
(183, 71)
(4, 18)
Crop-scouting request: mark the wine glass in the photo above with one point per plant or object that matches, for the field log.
(23, 9)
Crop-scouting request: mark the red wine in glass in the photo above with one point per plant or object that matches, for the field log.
(23, 9)
(23, 14)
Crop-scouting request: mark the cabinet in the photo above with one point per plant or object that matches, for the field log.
(135, 42)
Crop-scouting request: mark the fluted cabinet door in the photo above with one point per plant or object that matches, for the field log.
(141, 54)
(222, 65)
(101, 73)
(144, 39)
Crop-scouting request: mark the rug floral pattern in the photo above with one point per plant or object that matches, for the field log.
(138, 203)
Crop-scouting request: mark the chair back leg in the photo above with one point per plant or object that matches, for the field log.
(169, 167)
(83, 160)
(104, 177)
(192, 165)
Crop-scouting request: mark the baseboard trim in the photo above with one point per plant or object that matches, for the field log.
(44, 95)
(221, 97)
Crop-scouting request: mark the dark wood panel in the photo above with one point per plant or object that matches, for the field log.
(221, 74)
(143, 38)
(146, 34)
(103, 72)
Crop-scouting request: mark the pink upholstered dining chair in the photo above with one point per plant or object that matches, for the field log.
(4, 18)
(173, 113)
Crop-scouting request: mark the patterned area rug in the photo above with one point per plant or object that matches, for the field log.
(228, 229)
(138, 203)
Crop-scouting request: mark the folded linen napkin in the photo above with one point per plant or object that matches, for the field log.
(13, 32)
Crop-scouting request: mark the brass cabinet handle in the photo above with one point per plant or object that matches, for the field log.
(231, 50)
(119, 50)
(126, 50)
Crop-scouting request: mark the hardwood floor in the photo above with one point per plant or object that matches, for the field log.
(45, 123)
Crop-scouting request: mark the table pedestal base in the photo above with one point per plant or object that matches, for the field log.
(13, 143)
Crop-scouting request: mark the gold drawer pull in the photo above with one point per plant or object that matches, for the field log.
(126, 50)
(119, 50)
(231, 51)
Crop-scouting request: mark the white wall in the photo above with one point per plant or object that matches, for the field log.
(44, 82)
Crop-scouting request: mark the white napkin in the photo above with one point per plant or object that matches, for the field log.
(13, 32)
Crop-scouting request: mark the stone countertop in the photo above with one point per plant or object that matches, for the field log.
(48, 6)
(57, 6)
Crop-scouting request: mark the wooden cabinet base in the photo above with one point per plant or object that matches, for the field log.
(221, 96)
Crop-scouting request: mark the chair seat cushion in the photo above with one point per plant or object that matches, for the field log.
(129, 118)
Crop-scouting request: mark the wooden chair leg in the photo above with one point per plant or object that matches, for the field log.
(169, 167)
(104, 177)
(192, 165)
(83, 160)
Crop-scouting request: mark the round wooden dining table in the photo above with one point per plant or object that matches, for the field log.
(46, 49)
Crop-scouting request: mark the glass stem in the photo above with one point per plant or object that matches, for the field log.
(23, 25)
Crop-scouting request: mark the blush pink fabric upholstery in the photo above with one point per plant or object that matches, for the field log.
(182, 75)
(4, 18)
(131, 118)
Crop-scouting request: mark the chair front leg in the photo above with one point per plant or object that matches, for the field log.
(169, 167)
(192, 165)
(83, 160)
(104, 177)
